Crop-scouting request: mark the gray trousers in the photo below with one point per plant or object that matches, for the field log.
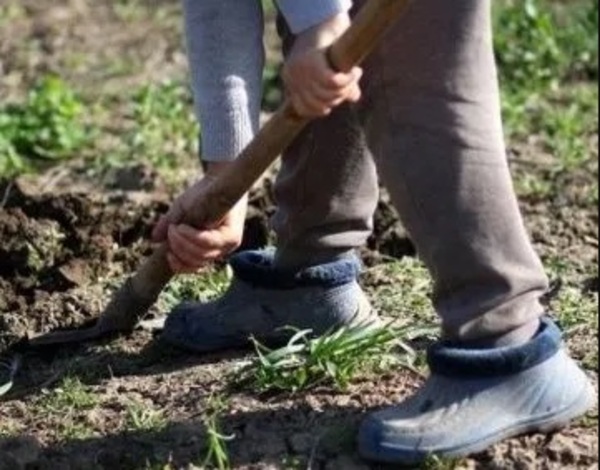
(429, 125)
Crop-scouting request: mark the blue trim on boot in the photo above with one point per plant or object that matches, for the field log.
(256, 268)
(451, 361)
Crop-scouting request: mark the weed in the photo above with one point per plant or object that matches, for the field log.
(165, 128)
(402, 289)
(526, 45)
(11, 163)
(433, 462)
(70, 396)
(216, 454)
(575, 309)
(160, 130)
(205, 286)
(579, 40)
(46, 128)
(66, 407)
(538, 46)
(336, 358)
(139, 417)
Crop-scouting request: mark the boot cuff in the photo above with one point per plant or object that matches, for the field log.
(256, 268)
(449, 360)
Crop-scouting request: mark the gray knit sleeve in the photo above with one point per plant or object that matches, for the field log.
(226, 55)
(303, 14)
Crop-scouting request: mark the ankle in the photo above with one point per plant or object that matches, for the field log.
(515, 337)
(294, 260)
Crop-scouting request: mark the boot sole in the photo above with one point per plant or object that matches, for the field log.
(544, 424)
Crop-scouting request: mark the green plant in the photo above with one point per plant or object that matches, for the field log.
(403, 289)
(433, 462)
(165, 130)
(540, 47)
(11, 162)
(70, 396)
(527, 49)
(68, 407)
(576, 309)
(47, 127)
(540, 43)
(579, 41)
(206, 286)
(216, 454)
(336, 358)
(139, 417)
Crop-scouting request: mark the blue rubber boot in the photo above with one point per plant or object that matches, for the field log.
(262, 300)
(476, 398)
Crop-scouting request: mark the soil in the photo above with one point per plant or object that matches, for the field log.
(67, 241)
(58, 250)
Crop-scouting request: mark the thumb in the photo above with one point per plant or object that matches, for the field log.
(161, 229)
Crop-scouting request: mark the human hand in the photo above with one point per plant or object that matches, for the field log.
(191, 248)
(312, 86)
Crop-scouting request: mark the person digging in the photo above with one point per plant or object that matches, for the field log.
(423, 113)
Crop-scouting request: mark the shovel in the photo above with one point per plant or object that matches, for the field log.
(131, 302)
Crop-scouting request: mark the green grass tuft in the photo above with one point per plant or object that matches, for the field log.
(335, 358)
(141, 417)
(71, 395)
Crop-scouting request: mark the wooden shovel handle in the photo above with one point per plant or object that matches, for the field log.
(367, 29)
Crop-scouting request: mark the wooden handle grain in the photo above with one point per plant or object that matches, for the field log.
(368, 28)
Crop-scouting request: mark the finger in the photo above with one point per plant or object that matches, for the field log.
(180, 267)
(354, 95)
(326, 96)
(308, 106)
(159, 232)
(323, 100)
(351, 93)
(337, 81)
(173, 216)
(216, 243)
(207, 240)
(188, 252)
(331, 99)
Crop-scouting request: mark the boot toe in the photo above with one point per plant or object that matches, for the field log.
(195, 327)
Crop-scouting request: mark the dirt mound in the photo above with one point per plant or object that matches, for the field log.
(56, 249)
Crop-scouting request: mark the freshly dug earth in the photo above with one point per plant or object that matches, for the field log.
(56, 250)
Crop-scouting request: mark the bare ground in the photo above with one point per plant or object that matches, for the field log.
(68, 241)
